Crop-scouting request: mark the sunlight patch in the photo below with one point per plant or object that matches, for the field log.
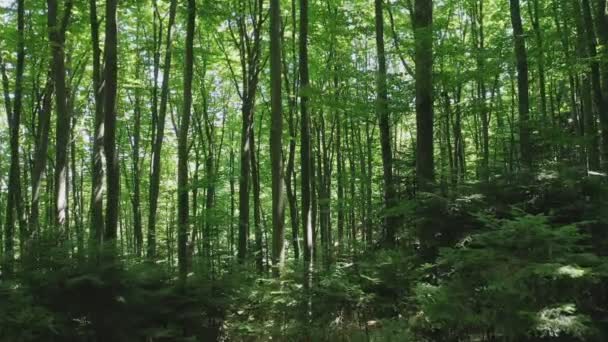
(556, 321)
(571, 271)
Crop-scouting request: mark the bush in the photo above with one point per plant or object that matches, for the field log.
(518, 278)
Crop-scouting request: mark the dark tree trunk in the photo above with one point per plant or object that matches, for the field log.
(182, 161)
(596, 83)
(305, 145)
(97, 221)
(40, 156)
(110, 89)
(14, 121)
(57, 41)
(390, 219)
(521, 57)
(601, 19)
(276, 140)
(158, 136)
(423, 36)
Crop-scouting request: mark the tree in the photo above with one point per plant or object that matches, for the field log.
(276, 138)
(97, 222)
(423, 36)
(158, 128)
(305, 149)
(110, 89)
(521, 57)
(57, 41)
(182, 161)
(247, 39)
(390, 222)
(601, 19)
(14, 121)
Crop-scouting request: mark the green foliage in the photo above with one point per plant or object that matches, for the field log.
(109, 301)
(519, 277)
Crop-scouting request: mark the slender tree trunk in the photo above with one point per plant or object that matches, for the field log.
(585, 49)
(305, 146)
(159, 133)
(291, 88)
(276, 140)
(40, 156)
(521, 57)
(423, 36)
(596, 84)
(250, 51)
(232, 199)
(136, 198)
(535, 15)
(341, 177)
(182, 161)
(244, 181)
(390, 219)
(601, 19)
(257, 205)
(110, 90)
(57, 41)
(97, 221)
(14, 121)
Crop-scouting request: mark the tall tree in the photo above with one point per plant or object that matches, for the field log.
(248, 40)
(521, 57)
(423, 36)
(57, 41)
(97, 221)
(596, 84)
(390, 220)
(40, 154)
(182, 159)
(110, 90)
(158, 129)
(276, 138)
(14, 121)
(601, 19)
(305, 146)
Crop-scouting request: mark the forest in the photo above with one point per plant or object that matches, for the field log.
(304, 170)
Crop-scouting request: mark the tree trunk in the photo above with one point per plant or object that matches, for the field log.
(257, 205)
(596, 84)
(601, 18)
(40, 156)
(182, 161)
(521, 57)
(390, 219)
(158, 135)
(57, 41)
(276, 140)
(305, 145)
(423, 36)
(136, 169)
(250, 51)
(14, 121)
(97, 221)
(110, 89)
